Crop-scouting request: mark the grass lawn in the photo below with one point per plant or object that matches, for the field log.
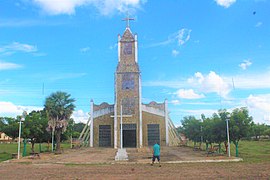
(6, 150)
(253, 151)
(250, 151)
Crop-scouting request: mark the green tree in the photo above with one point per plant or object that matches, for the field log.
(35, 128)
(2, 123)
(11, 127)
(258, 130)
(214, 130)
(59, 107)
(192, 128)
(218, 128)
(267, 132)
(208, 136)
(239, 125)
(78, 127)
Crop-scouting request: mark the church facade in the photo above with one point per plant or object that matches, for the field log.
(128, 122)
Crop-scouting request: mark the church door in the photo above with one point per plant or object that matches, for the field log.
(104, 135)
(129, 135)
(153, 134)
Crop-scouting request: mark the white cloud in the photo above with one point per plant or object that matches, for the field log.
(27, 23)
(170, 84)
(113, 46)
(245, 64)
(175, 52)
(252, 81)
(62, 76)
(8, 109)
(175, 102)
(195, 112)
(260, 102)
(85, 49)
(8, 66)
(225, 3)
(180, 37)
(259, 106)
(211, 83)
(80, 116)
(188, 94)
(54, 7)
(221, 85)
(105, 7)
(17, 47)
(258, 24)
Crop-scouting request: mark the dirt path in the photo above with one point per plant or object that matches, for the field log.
(98, 163)
(136, 171)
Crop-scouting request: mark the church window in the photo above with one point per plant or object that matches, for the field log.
(128, 106)
(127, 48)
(127, 81)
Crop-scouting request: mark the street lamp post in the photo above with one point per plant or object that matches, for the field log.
(20, 131)
(228, 136)
(121, 126)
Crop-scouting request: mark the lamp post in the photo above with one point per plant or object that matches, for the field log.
(20, 131)
(228, 135)
(121, 126)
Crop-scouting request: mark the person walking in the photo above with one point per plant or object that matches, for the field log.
(156, 154)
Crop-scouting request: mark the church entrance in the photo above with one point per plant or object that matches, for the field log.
(129, 135)
(104, 135)
(153, 134)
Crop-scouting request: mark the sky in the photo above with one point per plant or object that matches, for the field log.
(200, 55)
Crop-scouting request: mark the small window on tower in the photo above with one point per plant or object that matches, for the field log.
(128, 106)
(127, 48)
(127, 81)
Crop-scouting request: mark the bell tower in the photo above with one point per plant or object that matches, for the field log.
(127, 92)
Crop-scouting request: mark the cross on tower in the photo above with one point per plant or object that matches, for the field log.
(127, 19)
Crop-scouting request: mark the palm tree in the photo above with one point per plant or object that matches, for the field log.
(59, 107)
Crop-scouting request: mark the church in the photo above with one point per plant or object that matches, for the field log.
(128, 122)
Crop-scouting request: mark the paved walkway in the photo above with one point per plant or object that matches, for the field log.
(106, 155)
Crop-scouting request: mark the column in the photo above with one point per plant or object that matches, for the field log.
(140, 112)
(91, 123)
(115, 112)
(166, 122)
(115, 125)
(136, 48)
(119, 48)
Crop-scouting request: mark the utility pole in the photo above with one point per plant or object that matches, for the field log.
(20, 131)
(121, 126)
(19, 140)
(228, 136)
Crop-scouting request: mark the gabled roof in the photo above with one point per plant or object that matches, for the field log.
(127, 36)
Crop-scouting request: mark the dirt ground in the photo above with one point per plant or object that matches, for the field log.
(98, 163)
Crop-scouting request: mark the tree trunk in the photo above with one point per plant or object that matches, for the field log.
(236, 148)
(226, 146)
(24, 147)
(71, 141)
(33, 146)
(58, 140)
(40, 149)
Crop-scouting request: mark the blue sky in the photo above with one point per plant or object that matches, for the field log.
(200, 55)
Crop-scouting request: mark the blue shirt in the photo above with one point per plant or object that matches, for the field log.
(156, 149)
